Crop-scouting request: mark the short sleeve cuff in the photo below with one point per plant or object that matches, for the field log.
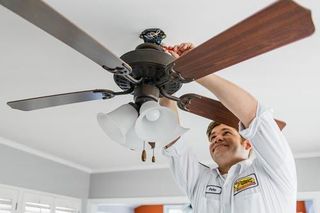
(262, 113)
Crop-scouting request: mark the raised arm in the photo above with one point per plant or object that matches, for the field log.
(237, 100)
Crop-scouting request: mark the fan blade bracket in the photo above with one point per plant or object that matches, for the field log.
(174, 75)
(124, 70)
(106, 94)
(185, 100)
(164, 93)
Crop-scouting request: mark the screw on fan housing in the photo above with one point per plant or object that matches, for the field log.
(153, 35)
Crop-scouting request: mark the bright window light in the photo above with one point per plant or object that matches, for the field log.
(37, 208)
(5, 205)
(65, 210)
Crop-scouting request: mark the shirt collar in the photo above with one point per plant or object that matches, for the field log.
(242, 164)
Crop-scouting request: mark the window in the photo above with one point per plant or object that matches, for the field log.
(37, 208)
(65, 210)
(8, 200)
(20, 200)
(37, 203)
(6, 205)
(67, 205)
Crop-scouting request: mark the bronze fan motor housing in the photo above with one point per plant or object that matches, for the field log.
(149, 63)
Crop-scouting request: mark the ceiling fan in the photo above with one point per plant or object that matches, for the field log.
(148, 72)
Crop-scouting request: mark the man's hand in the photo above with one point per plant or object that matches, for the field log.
(178, 50)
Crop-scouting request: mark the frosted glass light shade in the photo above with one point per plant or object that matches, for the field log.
(117, 123)
(162, 130)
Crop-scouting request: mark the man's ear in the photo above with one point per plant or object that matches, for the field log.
(247, 144)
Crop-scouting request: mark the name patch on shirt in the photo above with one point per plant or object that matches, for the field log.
(244, 183)
(212, 189)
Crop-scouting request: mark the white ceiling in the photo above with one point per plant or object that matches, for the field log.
(35, 64)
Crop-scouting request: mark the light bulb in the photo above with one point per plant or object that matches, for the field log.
(153, 115)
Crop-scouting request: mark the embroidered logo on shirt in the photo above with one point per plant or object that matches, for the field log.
(212, 189)
(244, 183)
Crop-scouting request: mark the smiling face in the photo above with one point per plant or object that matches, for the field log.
(227, 147)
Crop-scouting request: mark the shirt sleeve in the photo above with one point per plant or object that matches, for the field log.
(271, 148)
(185, 167)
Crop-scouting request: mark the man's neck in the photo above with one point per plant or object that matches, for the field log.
(224, 168)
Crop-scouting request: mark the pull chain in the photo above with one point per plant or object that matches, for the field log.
(153, 157)
(144, 153)
(153, 144)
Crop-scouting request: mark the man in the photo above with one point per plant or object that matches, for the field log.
(256, 170)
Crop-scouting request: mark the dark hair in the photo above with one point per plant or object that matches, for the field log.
(213, 124)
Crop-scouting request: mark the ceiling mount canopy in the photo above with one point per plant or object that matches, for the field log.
(153, 36)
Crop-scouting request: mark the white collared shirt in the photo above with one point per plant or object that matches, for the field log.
(264, 183)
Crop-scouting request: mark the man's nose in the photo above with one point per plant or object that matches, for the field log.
(218, 139)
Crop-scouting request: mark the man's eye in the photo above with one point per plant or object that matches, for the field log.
(226, 133)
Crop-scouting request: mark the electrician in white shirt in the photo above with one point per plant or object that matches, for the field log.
(256, 170)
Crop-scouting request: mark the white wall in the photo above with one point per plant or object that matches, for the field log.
(142, 183)
(308, 171)
(18, 168)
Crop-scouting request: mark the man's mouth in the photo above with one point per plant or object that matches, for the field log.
(218, 146)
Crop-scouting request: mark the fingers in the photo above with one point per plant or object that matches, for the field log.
(178, 50)
(173, 53)
(168, 47)
(184, 48)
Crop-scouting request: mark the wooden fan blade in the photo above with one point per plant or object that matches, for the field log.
(279, 24)
(212, 109)
(60, 99)
(46, 18)
(281, 124)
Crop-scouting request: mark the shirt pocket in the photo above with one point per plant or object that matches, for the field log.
(249, 202)
(212, 202)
